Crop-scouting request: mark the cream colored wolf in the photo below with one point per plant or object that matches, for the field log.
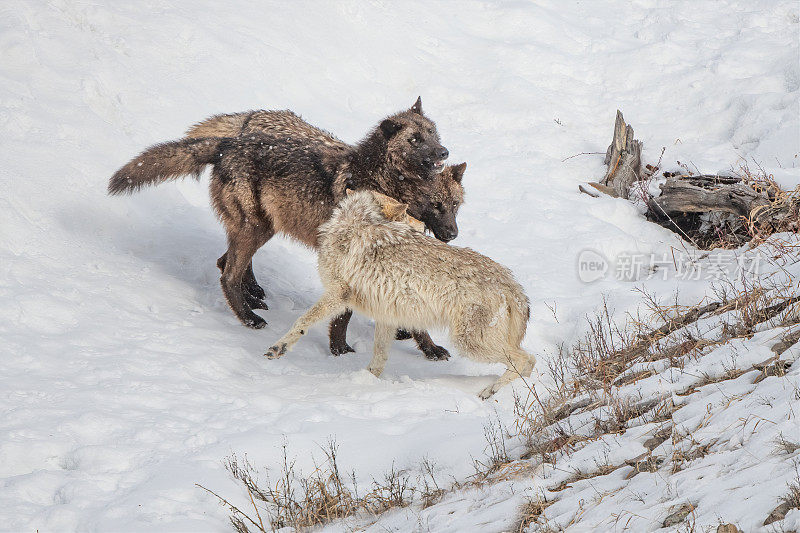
(373, 259)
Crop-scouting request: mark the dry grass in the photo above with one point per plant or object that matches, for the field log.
(293, 499)
(785, 446)
(430, 491)
(396, 489)
(758, 224)
(300, 501)
(788, 502)
(532, 511)
(755, 302)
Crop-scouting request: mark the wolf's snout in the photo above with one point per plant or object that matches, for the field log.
(449, 234)
(436, 160)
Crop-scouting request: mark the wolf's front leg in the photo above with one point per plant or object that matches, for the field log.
(330, 303)
(384, 335)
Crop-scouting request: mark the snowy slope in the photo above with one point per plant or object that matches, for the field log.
(125, 378)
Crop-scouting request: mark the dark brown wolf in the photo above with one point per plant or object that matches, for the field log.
(263, 183)
(439, 214)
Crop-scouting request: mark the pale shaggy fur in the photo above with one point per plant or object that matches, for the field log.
(372, 260)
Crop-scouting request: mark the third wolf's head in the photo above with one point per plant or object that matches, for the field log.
(439, 208)
(413, 144)
(397, 211)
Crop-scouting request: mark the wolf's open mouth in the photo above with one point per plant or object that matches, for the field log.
(437, 165)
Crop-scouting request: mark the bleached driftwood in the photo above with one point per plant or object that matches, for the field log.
(726, 194)
(700, 194)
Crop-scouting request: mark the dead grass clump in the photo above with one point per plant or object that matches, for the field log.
(293, 499)
(785, 446)
(788, 502)
(430, 491)
(604, 353)
(394, 490)
(496, 454)
(299, 501)
(532, 511)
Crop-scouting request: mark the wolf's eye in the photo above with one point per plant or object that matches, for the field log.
(415, 139)
(437, 205)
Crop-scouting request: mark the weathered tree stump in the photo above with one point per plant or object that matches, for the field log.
(623, 158)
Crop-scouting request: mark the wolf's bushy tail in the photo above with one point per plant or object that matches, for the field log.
(163, 162)
(224, 125)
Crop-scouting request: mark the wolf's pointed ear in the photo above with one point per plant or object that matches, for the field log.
(389, 127)
(395, 211)
(458, 171)
(417, 107)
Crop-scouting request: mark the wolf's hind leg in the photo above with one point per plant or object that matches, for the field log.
(330, 303)
(249, 282)
(242, 244)
(432, 351)
(244, 239)
(520, 364)
(384, 335)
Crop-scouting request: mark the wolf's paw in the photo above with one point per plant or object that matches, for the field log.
(254, 302)
(436, 353)
(276, 351)
(486, 393)
(254, 321)
(341, 348)
(375, 371)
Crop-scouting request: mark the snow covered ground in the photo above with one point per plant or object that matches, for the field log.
(124, 377)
